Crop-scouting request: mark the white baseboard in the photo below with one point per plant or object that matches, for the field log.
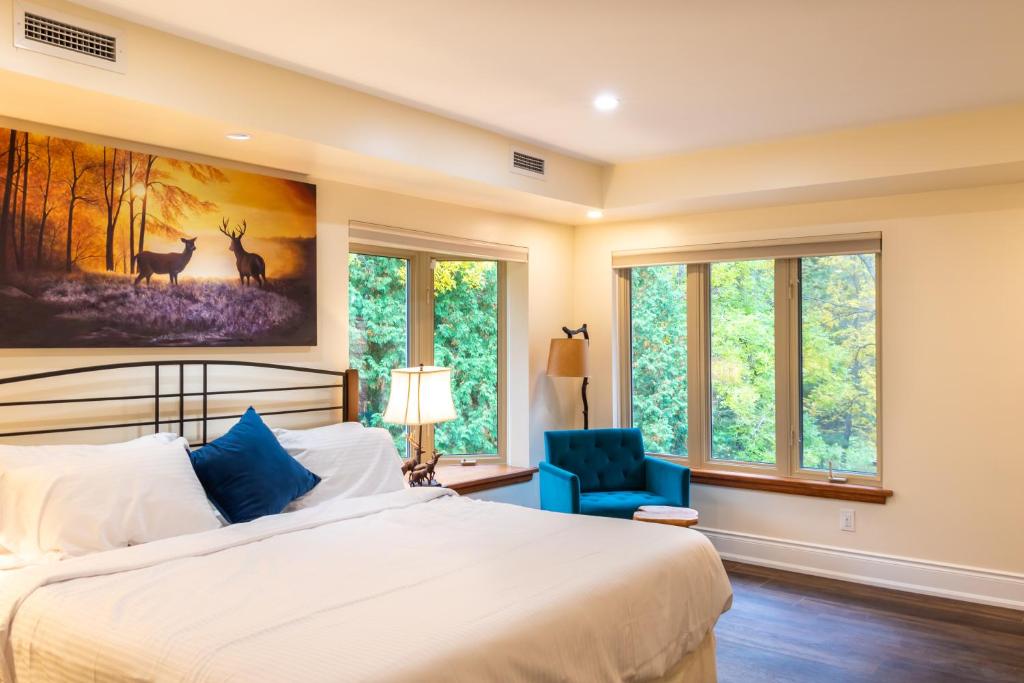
(973, 584)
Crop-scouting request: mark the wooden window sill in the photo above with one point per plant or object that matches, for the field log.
(798, 487)
(482, 477)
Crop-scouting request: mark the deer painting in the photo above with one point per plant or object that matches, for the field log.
(250, 265)
(151, 263)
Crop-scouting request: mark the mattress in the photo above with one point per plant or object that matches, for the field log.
(413, 585)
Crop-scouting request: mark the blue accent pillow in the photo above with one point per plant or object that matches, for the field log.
(247, 474)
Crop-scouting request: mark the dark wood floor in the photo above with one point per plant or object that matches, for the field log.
(795, 628)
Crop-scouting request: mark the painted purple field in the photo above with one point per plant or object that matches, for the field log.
(100, 310)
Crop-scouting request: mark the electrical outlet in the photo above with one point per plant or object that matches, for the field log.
(847, 520)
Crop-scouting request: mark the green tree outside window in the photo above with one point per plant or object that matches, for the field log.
(378, 332)
(658, 351)
(839, 368)
(743, 361)
(466, 340)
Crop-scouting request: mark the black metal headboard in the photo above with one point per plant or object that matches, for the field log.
(345, 381)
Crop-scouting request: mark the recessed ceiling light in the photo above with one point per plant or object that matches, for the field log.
(595, 214)
(606, 102)
(238, 136)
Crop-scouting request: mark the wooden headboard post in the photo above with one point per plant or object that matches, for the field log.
(350, 411)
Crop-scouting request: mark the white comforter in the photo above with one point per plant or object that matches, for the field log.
(415, 585)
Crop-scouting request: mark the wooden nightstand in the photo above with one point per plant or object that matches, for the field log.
(482, 477)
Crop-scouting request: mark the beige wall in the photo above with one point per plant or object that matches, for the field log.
(952, 350)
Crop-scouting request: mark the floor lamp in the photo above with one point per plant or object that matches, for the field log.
(570, 357)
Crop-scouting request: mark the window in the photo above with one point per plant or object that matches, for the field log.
(838, 330)
(378, 331)
(658, 356)
(416, 307)
(743, 361)
(762, 357)
(466, 339)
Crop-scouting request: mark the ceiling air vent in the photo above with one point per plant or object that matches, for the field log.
(52, 33)
(527, 164)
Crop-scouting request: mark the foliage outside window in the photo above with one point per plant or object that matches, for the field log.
(785, 356)
(743, 361)
(658, 346)
(415, 308)
(378, 332)
(839, 364)
(466, 340)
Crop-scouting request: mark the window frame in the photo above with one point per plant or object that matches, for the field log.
(788, 370)
(420, 324)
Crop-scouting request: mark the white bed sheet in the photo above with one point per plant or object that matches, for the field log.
(414, 585)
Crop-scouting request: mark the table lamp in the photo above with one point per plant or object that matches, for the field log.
(570, 357)
(420, 396)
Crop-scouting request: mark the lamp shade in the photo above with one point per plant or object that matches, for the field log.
(569, 358)
(420, 396)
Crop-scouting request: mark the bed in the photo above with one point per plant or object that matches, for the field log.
(405, 585)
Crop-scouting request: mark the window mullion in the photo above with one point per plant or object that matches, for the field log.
(624, 301)
(698, 365)
(503, 402)
(795, 409)
(421, 326)
(787, 368)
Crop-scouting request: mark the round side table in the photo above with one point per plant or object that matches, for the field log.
(666, 514)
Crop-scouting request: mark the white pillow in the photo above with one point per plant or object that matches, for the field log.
(12, 456)
(351, 461)
(126, 495)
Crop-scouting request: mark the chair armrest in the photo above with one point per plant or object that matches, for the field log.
(668, 479)
(559, 489)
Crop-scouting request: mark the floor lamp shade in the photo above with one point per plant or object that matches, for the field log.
(569, 358)
(420, 396)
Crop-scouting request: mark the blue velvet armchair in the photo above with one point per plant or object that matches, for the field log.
(605, 472)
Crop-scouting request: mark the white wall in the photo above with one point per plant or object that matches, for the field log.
(952, 350)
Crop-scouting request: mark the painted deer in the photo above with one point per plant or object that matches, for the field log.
(151, 263)
(249, 264)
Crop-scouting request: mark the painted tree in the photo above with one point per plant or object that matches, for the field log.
(5, 208)
(147, 173)
(115, 186)
(17, 204)
(132, 170)
(24, 200)
(45, 207)
(76, 182)
(174, 200)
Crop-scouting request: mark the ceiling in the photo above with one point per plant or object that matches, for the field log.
(691, 74)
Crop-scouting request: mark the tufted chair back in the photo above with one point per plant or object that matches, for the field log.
(603, 459)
